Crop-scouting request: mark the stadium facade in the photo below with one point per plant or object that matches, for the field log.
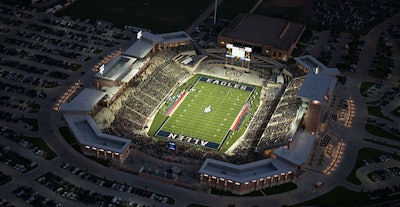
(316, 90)
(272, 37)
(122, 70)
(243, 179)
(292, 147)
(113, 78)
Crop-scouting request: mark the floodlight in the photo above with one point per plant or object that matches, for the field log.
(101, 69)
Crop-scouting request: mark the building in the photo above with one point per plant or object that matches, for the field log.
(149, 43)
(243, 179)
(116, 75)
(95, 143)
(85, 103)
(305, 99)
(268, 36)
(113, 78)
(308, 64)
(285, 163)
(316, 90)
(315, 93)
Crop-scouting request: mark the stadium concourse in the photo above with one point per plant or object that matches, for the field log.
(135, 85)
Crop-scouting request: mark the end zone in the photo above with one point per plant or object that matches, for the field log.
(191, 140)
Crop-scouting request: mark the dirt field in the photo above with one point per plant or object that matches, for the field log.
(287, 3)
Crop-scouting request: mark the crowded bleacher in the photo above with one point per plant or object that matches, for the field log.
(144, 98)
(133, 110)
(278, 127)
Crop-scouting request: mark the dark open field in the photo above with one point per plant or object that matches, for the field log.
(156, 15)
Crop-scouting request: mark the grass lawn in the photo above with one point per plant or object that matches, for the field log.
(69, 138)
(396, 112)
(156, 15)
(339, 196)
(382, 143)
(378, 131)
(104, 162)
(363, 154)
(280, 189)
(342, 79)
(365, 86)
(31, 122)
(382, 47)
(376, 111)
(374, 102)
(4, 178)
(34, 107)
(380, 69)
(41, 144)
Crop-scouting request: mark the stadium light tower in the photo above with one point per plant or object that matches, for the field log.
(139, 36)
(101, 73)
(215, 12)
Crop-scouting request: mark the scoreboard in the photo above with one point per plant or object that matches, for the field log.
(238, 52)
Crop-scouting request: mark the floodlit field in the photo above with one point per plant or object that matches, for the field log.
(191, 120)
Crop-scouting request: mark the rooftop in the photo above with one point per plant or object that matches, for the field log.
(275, 32)
(134, 70)
(246, 172)
(299, 149)
(174, 37)
(142, 47)
(315, 86)
(84, 101)
(311, 64)
(116, 68)
(87, 133)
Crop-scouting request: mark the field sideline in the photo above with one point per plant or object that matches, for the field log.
(190, 119)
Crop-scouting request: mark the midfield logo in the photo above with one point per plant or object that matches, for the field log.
(225, 83)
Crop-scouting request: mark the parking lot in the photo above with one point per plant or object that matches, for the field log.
(15, 160)
(114, 185)
(39, 53)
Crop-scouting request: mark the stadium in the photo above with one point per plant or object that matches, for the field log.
(248, 122)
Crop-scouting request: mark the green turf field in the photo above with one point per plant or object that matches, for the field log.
(190, 120)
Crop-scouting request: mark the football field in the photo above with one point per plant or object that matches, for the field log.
(208, 110)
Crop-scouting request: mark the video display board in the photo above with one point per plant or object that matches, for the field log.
(238, 52)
